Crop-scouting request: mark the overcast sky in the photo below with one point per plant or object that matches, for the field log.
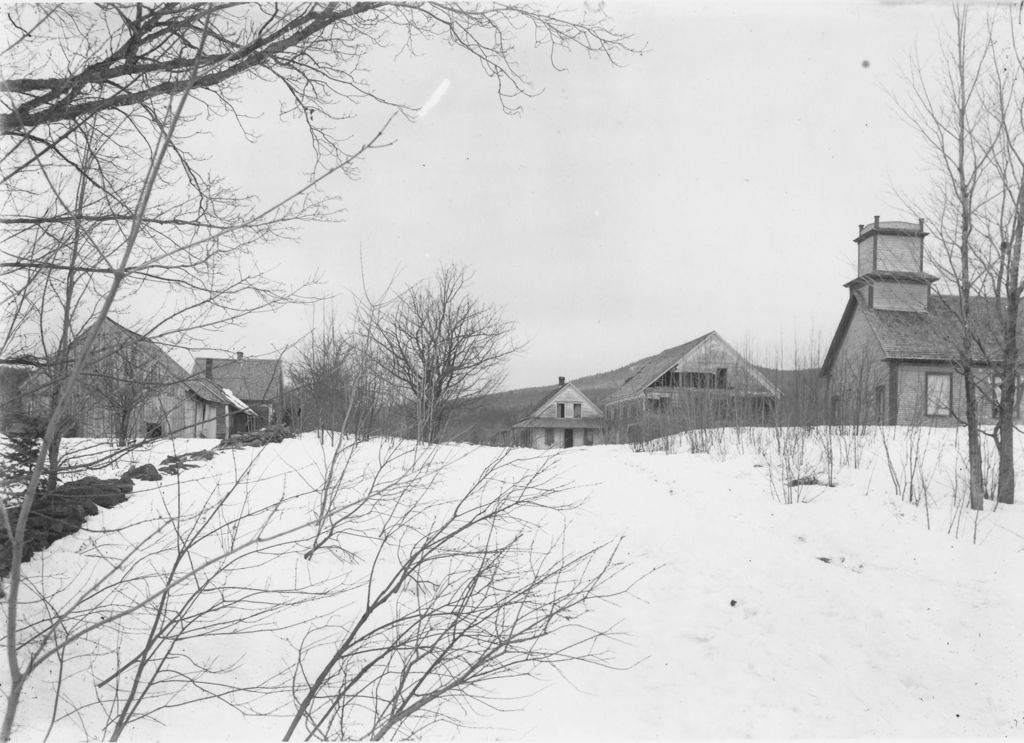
(713, 183)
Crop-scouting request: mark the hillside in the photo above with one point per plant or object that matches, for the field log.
(848, 613)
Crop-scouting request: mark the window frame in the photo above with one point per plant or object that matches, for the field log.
(928, 376)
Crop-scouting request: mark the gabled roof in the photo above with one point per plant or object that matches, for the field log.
(536, 418)
(935, 335)
(201, 388)
(552, 422)
(905, 277)
(652, 367)
(250, 379)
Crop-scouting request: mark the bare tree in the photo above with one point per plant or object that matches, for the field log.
(973, 122)
(333, 381)
(109, 211)
(437, 344)
(460, 593)
(80, 124)
(948, 112)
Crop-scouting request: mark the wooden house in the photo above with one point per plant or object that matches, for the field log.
(13, 374)
(564, 417)
(258, 383)
(703, 382)
(895, 355)
(130, 387)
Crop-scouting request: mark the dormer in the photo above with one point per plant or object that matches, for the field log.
(890, 267)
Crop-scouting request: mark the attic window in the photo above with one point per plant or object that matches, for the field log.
(700, 380)
(577, 410)
(560, 410)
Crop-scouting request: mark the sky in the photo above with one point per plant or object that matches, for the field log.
(713, 182)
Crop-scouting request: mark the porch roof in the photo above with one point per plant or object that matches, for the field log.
(560, 423)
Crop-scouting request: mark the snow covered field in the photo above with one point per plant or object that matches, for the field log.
(851, 612)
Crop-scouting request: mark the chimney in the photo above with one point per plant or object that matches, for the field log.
(238, 354)
(561, 381)
(209, 368)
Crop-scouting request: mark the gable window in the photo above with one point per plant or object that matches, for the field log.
(670, 378)
(549, 436)
(938, 394)
(560, 410)
(700, 380)
(722, 378)
(577, 410)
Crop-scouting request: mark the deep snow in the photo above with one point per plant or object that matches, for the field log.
(852, 613)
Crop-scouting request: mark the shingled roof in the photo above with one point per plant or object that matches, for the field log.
(535, 421)
(250, 379)
(200, 387)
(652, 367)
(935, 335)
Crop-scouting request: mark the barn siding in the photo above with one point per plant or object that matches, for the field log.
(912, 397)
(569, 396)
(857, 372)
(537, 438)
(900, 296)
(898, 253)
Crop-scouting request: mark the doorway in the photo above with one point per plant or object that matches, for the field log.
(567, 438)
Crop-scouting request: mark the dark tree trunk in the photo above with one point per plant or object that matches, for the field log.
(974, 462)
(1008, 392)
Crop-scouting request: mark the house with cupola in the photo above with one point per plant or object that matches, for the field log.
(896, 357)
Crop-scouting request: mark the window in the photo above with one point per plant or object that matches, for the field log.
(656, 404)
(722, 378)
(588, 436)
(577, 410)
(880, 403)
(700, 380)
(560, 410)
(834, 408)
(938, 394)
(549, 436)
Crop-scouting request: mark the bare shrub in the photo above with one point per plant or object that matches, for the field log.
(460, 592)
